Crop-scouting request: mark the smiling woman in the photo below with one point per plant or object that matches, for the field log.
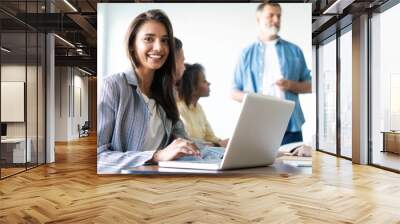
(151, 50)
(138, 117)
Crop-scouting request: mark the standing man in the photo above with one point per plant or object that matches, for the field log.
(273, 66)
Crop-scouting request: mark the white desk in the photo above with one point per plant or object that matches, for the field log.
(278, 168)
(17, 146)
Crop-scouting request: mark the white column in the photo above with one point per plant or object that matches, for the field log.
(50, 100)
(360, 90)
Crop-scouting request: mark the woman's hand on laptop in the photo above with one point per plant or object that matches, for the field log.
(223, 143)
(304, 150)
(178, 148)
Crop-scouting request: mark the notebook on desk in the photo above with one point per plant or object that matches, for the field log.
(255, 141)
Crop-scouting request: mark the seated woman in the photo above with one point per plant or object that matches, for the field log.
(192, 86)
(179, 59)
(138, 117)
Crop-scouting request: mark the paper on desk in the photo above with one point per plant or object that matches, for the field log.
(298, 163)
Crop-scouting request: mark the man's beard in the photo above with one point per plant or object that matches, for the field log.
(272, 30)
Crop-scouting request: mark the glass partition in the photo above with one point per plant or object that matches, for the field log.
(41, 109)
(22, 67)
(385, 88)
(31, 98)
(13, 108)
(327, 96)
(346, 94)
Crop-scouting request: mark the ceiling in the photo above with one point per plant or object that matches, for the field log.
(75, 21)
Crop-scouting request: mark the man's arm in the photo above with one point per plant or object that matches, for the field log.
(293, 86)
(240, 74)
(237, 95)
(303, 84)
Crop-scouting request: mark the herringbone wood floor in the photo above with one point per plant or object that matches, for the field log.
(70, 191)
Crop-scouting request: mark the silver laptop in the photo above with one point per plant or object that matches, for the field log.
(255, 141)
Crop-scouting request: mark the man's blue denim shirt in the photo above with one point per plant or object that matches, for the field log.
(249, 71)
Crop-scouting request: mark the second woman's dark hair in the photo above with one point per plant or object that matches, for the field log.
(163, 81)
(189, 82)
(178, 44)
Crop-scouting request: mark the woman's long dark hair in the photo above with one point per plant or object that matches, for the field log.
(189, 82)
(161, 88)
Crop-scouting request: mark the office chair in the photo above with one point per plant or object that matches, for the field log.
(84, 130)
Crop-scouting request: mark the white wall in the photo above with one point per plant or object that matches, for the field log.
(61, 103)
(213, 35)
(67, 80)
(80, 84)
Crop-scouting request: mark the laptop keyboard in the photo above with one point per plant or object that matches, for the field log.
(208, 154)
